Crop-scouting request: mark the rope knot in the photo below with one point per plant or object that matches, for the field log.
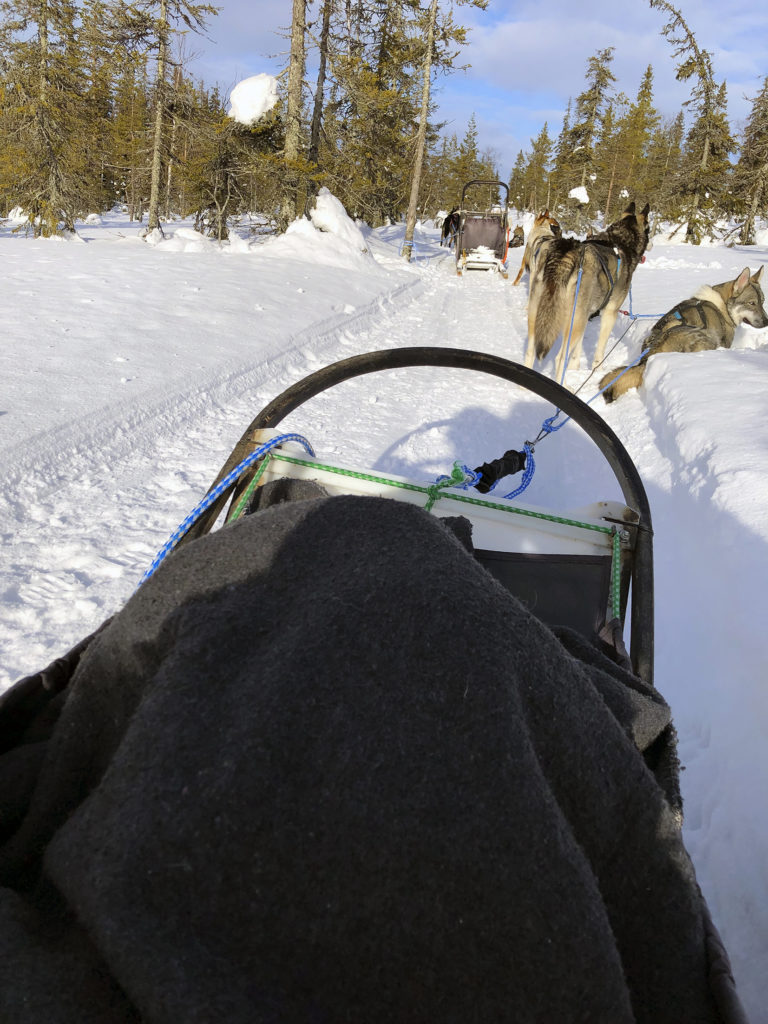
(461, 476)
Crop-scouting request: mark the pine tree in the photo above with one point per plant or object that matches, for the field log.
(562, 171)
(751, 176)
(421, 135)
(709, 140)
(641, 122)
(663, 165)
(129, 144)
(43, 115)
(153, 25)
(536, 181)
(705, 170)
(447, 32)
(517, 182)
(610, 158)
(590, 106)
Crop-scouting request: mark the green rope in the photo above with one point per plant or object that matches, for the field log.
(616, 575)
(436, 491)
(457, 477)
(242, 504)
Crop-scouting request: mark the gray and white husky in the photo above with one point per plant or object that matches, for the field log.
(708, 320)
(602, 266)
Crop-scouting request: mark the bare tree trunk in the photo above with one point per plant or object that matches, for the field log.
(293, 112)
(747, 233)
(692, 229)
(153, 214)
(317, 111)
(421, 136)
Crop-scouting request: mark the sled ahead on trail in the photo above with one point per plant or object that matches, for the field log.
(482, 239)
(571, 567)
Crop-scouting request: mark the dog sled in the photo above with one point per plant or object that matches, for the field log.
(297, 704)
(482, 239)
(573, 568)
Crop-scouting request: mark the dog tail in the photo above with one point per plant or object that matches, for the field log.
(632, 378)
(549, 321)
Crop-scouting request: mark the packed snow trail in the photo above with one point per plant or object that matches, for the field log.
(91, 501)
(120, 410)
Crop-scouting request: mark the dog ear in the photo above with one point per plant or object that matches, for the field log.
(756, 275)
(631, 209)
(741, 282)
(645, 211)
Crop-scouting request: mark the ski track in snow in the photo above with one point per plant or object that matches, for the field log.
(135, 470)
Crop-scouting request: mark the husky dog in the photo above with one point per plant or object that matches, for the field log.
(706, 321)
(544, 227)
(450, 228)
(602, 267)
(518, 238)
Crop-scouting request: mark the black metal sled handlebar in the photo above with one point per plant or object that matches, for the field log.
(641, 639)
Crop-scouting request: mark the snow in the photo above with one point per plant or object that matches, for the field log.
(252, 98)
(328, 214)
(580, 194)
(130, 370)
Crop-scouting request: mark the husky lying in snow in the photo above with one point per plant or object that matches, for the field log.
(706, 321)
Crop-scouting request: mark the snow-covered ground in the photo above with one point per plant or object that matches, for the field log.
(128, 371)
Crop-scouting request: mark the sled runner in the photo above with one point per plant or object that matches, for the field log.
(571, 567)
(482, 241)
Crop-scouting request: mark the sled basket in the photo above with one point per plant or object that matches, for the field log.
(569, 567)
(482, 239)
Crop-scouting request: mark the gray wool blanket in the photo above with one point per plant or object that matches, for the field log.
(323, 768)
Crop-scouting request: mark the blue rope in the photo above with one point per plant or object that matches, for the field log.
(209, 498)
(618, 376)
(530, 469)
(462, 477)
(639, 316)
(549, 426)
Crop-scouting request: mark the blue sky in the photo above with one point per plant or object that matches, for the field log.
(526, 58)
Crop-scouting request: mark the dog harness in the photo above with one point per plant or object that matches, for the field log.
(605, 269)
(691, 313)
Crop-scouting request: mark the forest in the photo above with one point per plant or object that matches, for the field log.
(98, 108)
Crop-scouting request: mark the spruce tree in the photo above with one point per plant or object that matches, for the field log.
(153, 25)
(751, 176)
(130, 137)
(517, 182)
(709, 140)
(590, 106)
(663, 165)
(536, 182)
(44, 113)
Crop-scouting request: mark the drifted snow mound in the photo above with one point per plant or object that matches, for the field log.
(181, 240)
(252, 98)
(329, 215)
(330, 238)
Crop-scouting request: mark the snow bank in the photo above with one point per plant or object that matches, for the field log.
(329, 215)
(330, 238)
(182, 240)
